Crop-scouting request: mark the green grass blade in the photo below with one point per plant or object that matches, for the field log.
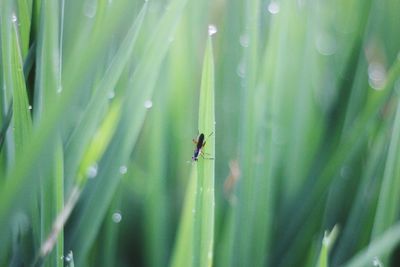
(350, 145)
(183, 253)
(195, 239)
(47, 129)
(47, 83)
(389, 197)
(5, 124)
(205, 204)
(15, 80)
(52, 203)
(92, 154)
(87, 125)
(156, 187)
(327, 244)
(24, 8)
(379, 246)
(141, 87)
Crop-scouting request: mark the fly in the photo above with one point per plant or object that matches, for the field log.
(200, 143)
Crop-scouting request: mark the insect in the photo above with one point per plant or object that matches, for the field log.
(200, 143)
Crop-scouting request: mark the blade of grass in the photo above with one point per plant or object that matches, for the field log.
(52, 203)
(364, 204)
(381, 245)
(24, 8)
(141, 87)
(389, 196)
(20, 130)
(327, 244)
(87, 125)
(92, 154)
(205, 203)
(157, 196)
(194, 245)
(350, 145)
(183, 253)
(5, 125)
(47, 129)
(254, 189)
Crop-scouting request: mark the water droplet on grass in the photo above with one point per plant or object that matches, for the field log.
(90, 8)
(123, 169)
(148, 104)
(14, 18)
(30, 107)
(244, 40)
(111, 95)
(117, 217)
(69, 257)
(92, 171)
(377, 262)
(376, 75)
(212, 29)
(273, 8)
(241, 69)
(326, 44)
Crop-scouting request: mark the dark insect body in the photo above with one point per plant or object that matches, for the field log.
(200, 143)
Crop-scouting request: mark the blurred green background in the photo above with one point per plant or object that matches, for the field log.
(100, 103)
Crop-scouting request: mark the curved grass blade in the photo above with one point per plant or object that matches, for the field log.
(327, 243)
(15, 91)
(92, 154)
(46, 131)
(204, 210)
(389, 197)
(5, 125)
(350, 144)
(141, 87)
(87, 125)
(381, 245)
(47, 83)
(183, 253)
(194, 246)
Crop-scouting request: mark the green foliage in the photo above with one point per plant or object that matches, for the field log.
(298, 101)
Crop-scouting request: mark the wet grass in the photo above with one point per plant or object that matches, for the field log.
(100, 101)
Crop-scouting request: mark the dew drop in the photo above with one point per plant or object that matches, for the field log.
(92, 171)
(69, 257)
(148, 104)
(117, 217)
(244, 40)
(111, 94)
(90, 8)
(14, 18)
(212, 29)
(241, 70)
(30, 107)
(377, 262)
(123, 169)
(273, 8)
(59, 90)
(326, 44)
(376, 75)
